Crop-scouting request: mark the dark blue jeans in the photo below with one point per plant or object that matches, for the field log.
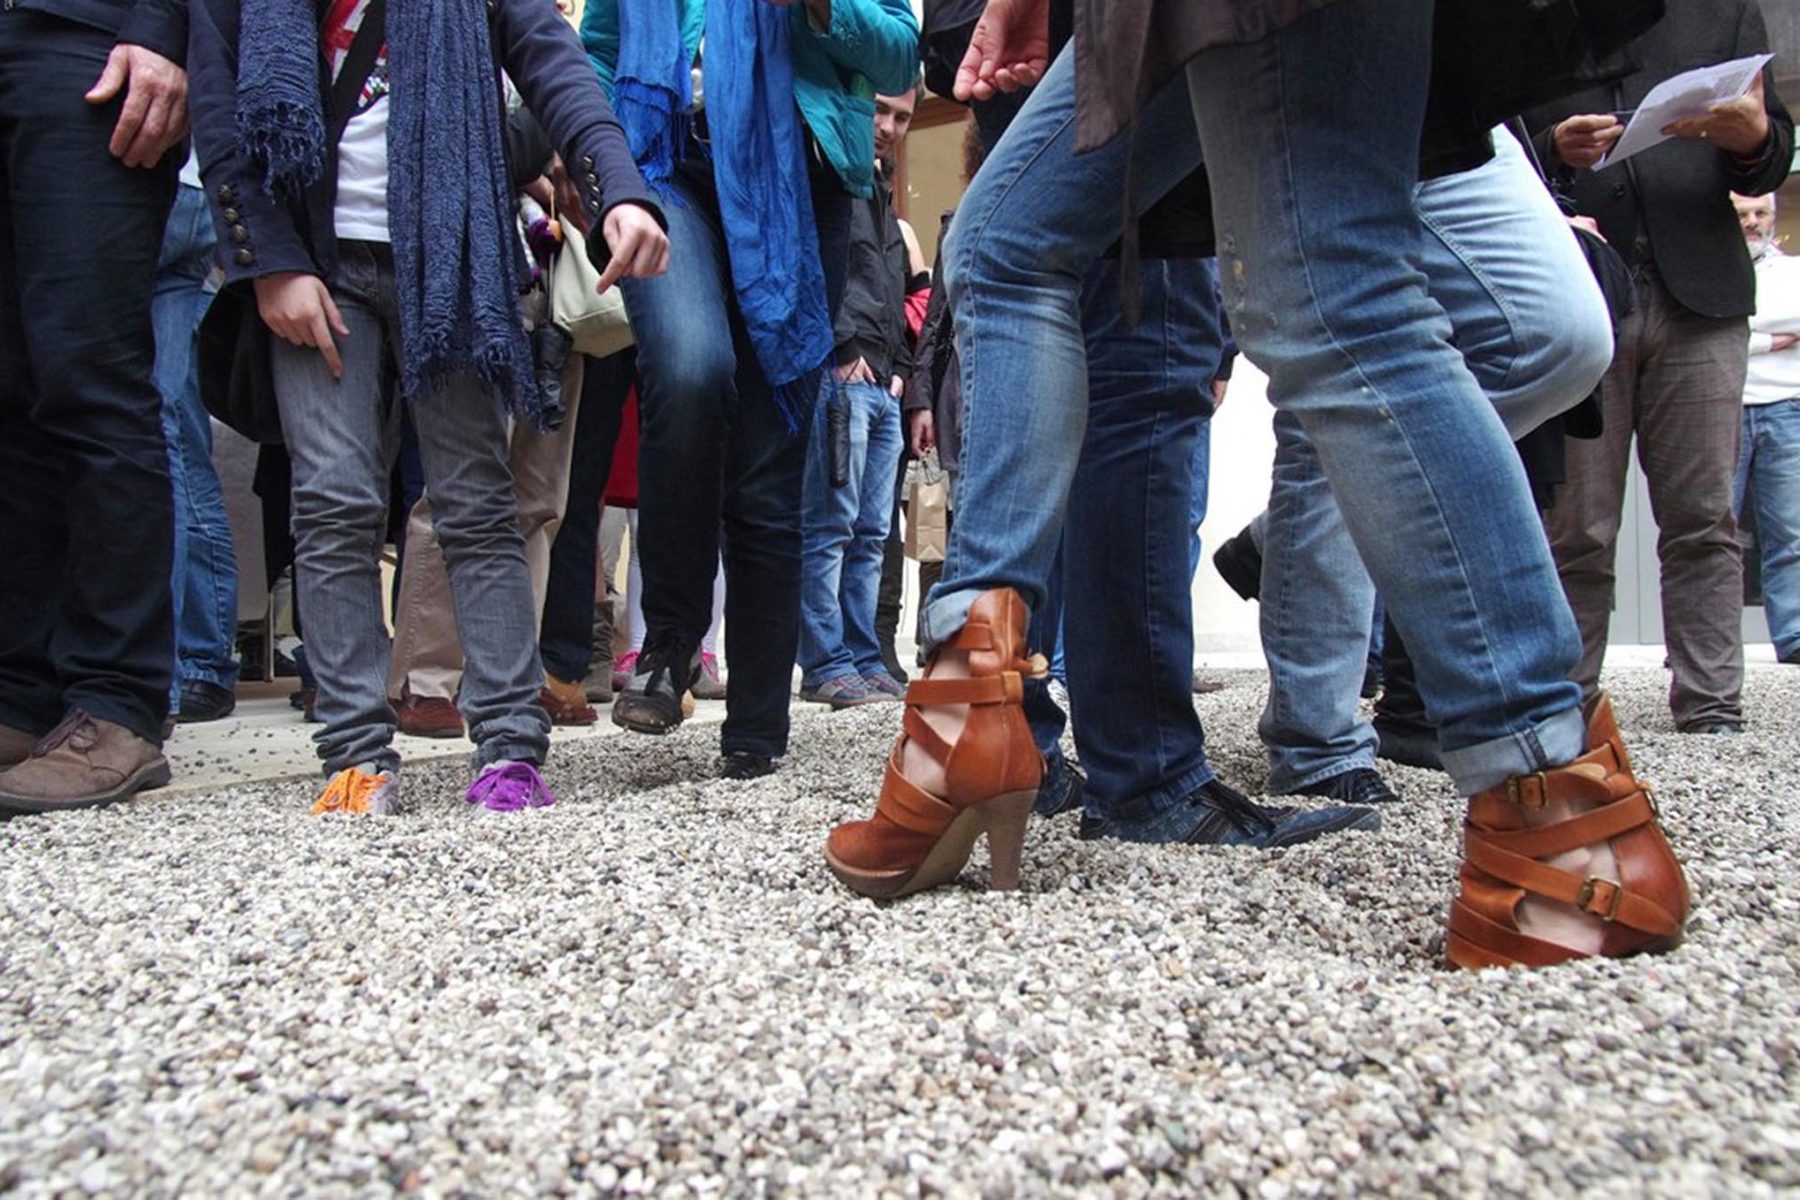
(1128, 621)
(86, 505)
(718, 466)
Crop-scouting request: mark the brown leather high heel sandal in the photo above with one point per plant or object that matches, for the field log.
(1644, 910)
(917, 840)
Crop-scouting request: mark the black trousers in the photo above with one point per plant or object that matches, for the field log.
(86, 506)
(566, 637)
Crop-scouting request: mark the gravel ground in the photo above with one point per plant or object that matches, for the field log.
(656, 986)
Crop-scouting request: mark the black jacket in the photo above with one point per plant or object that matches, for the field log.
(261, 235)
(871, 319)
(159, 25)
(1677, 195)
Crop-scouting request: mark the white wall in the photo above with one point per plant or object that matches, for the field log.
(1243, 449)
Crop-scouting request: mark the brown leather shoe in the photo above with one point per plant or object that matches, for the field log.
(83, 763)
(917, 840)
(566, 703)
(428, 717)
(15, 745)
(1504, 856)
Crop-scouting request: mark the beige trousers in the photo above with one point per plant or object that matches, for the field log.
(428, 657)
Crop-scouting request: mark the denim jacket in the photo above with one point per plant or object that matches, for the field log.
(871, 47)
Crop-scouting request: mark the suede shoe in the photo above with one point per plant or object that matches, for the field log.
(651, 702)
(846, 691)
(428, 717)
(1719, 728)
(884, 684)
(15, 745)
(565, 703)
(1216, 815)
(83, 763)
(1358, 785)
(203, 700)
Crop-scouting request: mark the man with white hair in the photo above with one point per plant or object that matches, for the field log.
(1768, 470)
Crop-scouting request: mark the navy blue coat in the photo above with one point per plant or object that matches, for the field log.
(260, 235)
(159, 25)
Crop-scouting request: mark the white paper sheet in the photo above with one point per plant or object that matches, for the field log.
(1688, 94)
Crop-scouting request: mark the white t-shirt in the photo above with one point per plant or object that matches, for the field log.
(362, 159)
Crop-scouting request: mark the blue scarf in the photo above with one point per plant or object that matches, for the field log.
(759, 168)
(447, 187)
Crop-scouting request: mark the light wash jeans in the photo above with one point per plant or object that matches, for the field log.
(842, 531)
(1531, 324)
(342, 435)
(1320, 257)
(204, 581)
(1769, 463)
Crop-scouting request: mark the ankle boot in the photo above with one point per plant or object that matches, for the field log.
(1644, 910)
(917, 840)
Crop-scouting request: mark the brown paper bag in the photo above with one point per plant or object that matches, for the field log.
(927, 513)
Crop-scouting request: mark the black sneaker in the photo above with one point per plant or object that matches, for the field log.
(1239, 563)
(651, 702)
(1061, 790)
(741, 764)
(1721, 727)
(1216, 815)
(203, 700)
(1358, 785)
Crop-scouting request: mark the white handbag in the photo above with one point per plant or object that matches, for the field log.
(596, 323)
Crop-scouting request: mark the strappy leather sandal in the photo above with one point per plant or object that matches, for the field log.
(1645, 909)
(917, 840)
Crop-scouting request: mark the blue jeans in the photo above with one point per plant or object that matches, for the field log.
(204, 581)
(843, 530)
(1128, 613)
(1770, 463)
(717, 463)
(1320, 252)
(1532, 328)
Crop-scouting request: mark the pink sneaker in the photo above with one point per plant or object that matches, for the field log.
(709, 686)
(623, 669)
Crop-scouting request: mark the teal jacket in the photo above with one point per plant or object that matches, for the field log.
(872, 47)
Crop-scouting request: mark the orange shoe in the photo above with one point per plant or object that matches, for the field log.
(1512, 832)
(361, 789)
(918, 840)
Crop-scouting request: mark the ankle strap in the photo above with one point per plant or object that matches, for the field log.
(1005, 688)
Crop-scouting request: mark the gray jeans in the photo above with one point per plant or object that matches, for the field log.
(342, 435)
(1676, 387)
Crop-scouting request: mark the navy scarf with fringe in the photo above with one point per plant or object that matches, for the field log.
(450, 216)
(759, 150)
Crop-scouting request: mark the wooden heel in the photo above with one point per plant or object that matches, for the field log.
(1004, 818)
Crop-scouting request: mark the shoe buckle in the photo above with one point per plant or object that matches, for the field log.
(1534, 797)
(1609, 893)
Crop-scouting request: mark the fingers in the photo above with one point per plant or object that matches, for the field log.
(321, 335)
(112, 78)
(138, 102)
(332, 316)
(615, 267)
(152, 136)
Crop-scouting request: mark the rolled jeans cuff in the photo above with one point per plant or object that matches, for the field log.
(946, 615)
(1553, 742)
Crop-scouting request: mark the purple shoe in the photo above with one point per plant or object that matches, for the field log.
(508, 787)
